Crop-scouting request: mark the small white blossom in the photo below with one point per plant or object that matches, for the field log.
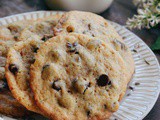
(148, 14)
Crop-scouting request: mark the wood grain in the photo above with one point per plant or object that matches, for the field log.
(118, 12)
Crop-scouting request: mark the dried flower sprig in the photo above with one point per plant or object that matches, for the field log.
(148, 14)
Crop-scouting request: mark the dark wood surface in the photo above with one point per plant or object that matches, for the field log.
(118, 12)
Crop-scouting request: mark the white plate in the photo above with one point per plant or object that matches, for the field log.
(147, 73)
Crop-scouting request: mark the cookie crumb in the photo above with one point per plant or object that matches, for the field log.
(137, 83)
(146, 62)
(131, 88)
(134, 50)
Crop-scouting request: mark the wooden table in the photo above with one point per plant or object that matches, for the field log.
(118, 12)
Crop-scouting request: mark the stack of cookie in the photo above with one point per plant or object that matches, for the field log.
(73, 66)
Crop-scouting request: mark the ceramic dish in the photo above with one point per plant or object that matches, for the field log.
(145, 83)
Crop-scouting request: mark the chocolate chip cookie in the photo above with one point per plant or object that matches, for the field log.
(77, 77)
(95, 26)
(19, 59)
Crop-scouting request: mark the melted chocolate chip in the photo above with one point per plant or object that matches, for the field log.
(13, 68)
(56, 87)
(103, 80)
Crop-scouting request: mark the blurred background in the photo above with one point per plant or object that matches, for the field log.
(119, 11)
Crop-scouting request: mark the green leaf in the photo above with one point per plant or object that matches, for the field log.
(156, 45)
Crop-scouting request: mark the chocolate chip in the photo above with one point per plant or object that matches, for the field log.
(72, 47)
(89, 26)
(45, 66)
(35, 50)
(88, 113)
(76, 52)
(103, 80)
(134, 50)
(46, 37)
(56, 87)
(31, 61)
(105, 106)
(93, 35)
(13, 68)
(15, 37)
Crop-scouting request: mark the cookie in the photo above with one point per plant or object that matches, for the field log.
(77, 77)
(8, 104)
(19, 59)
(43, 28)
(95, 26)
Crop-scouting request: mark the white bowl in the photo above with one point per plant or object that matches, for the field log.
(96, 6)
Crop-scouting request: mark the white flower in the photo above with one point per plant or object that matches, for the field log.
(148, 14)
